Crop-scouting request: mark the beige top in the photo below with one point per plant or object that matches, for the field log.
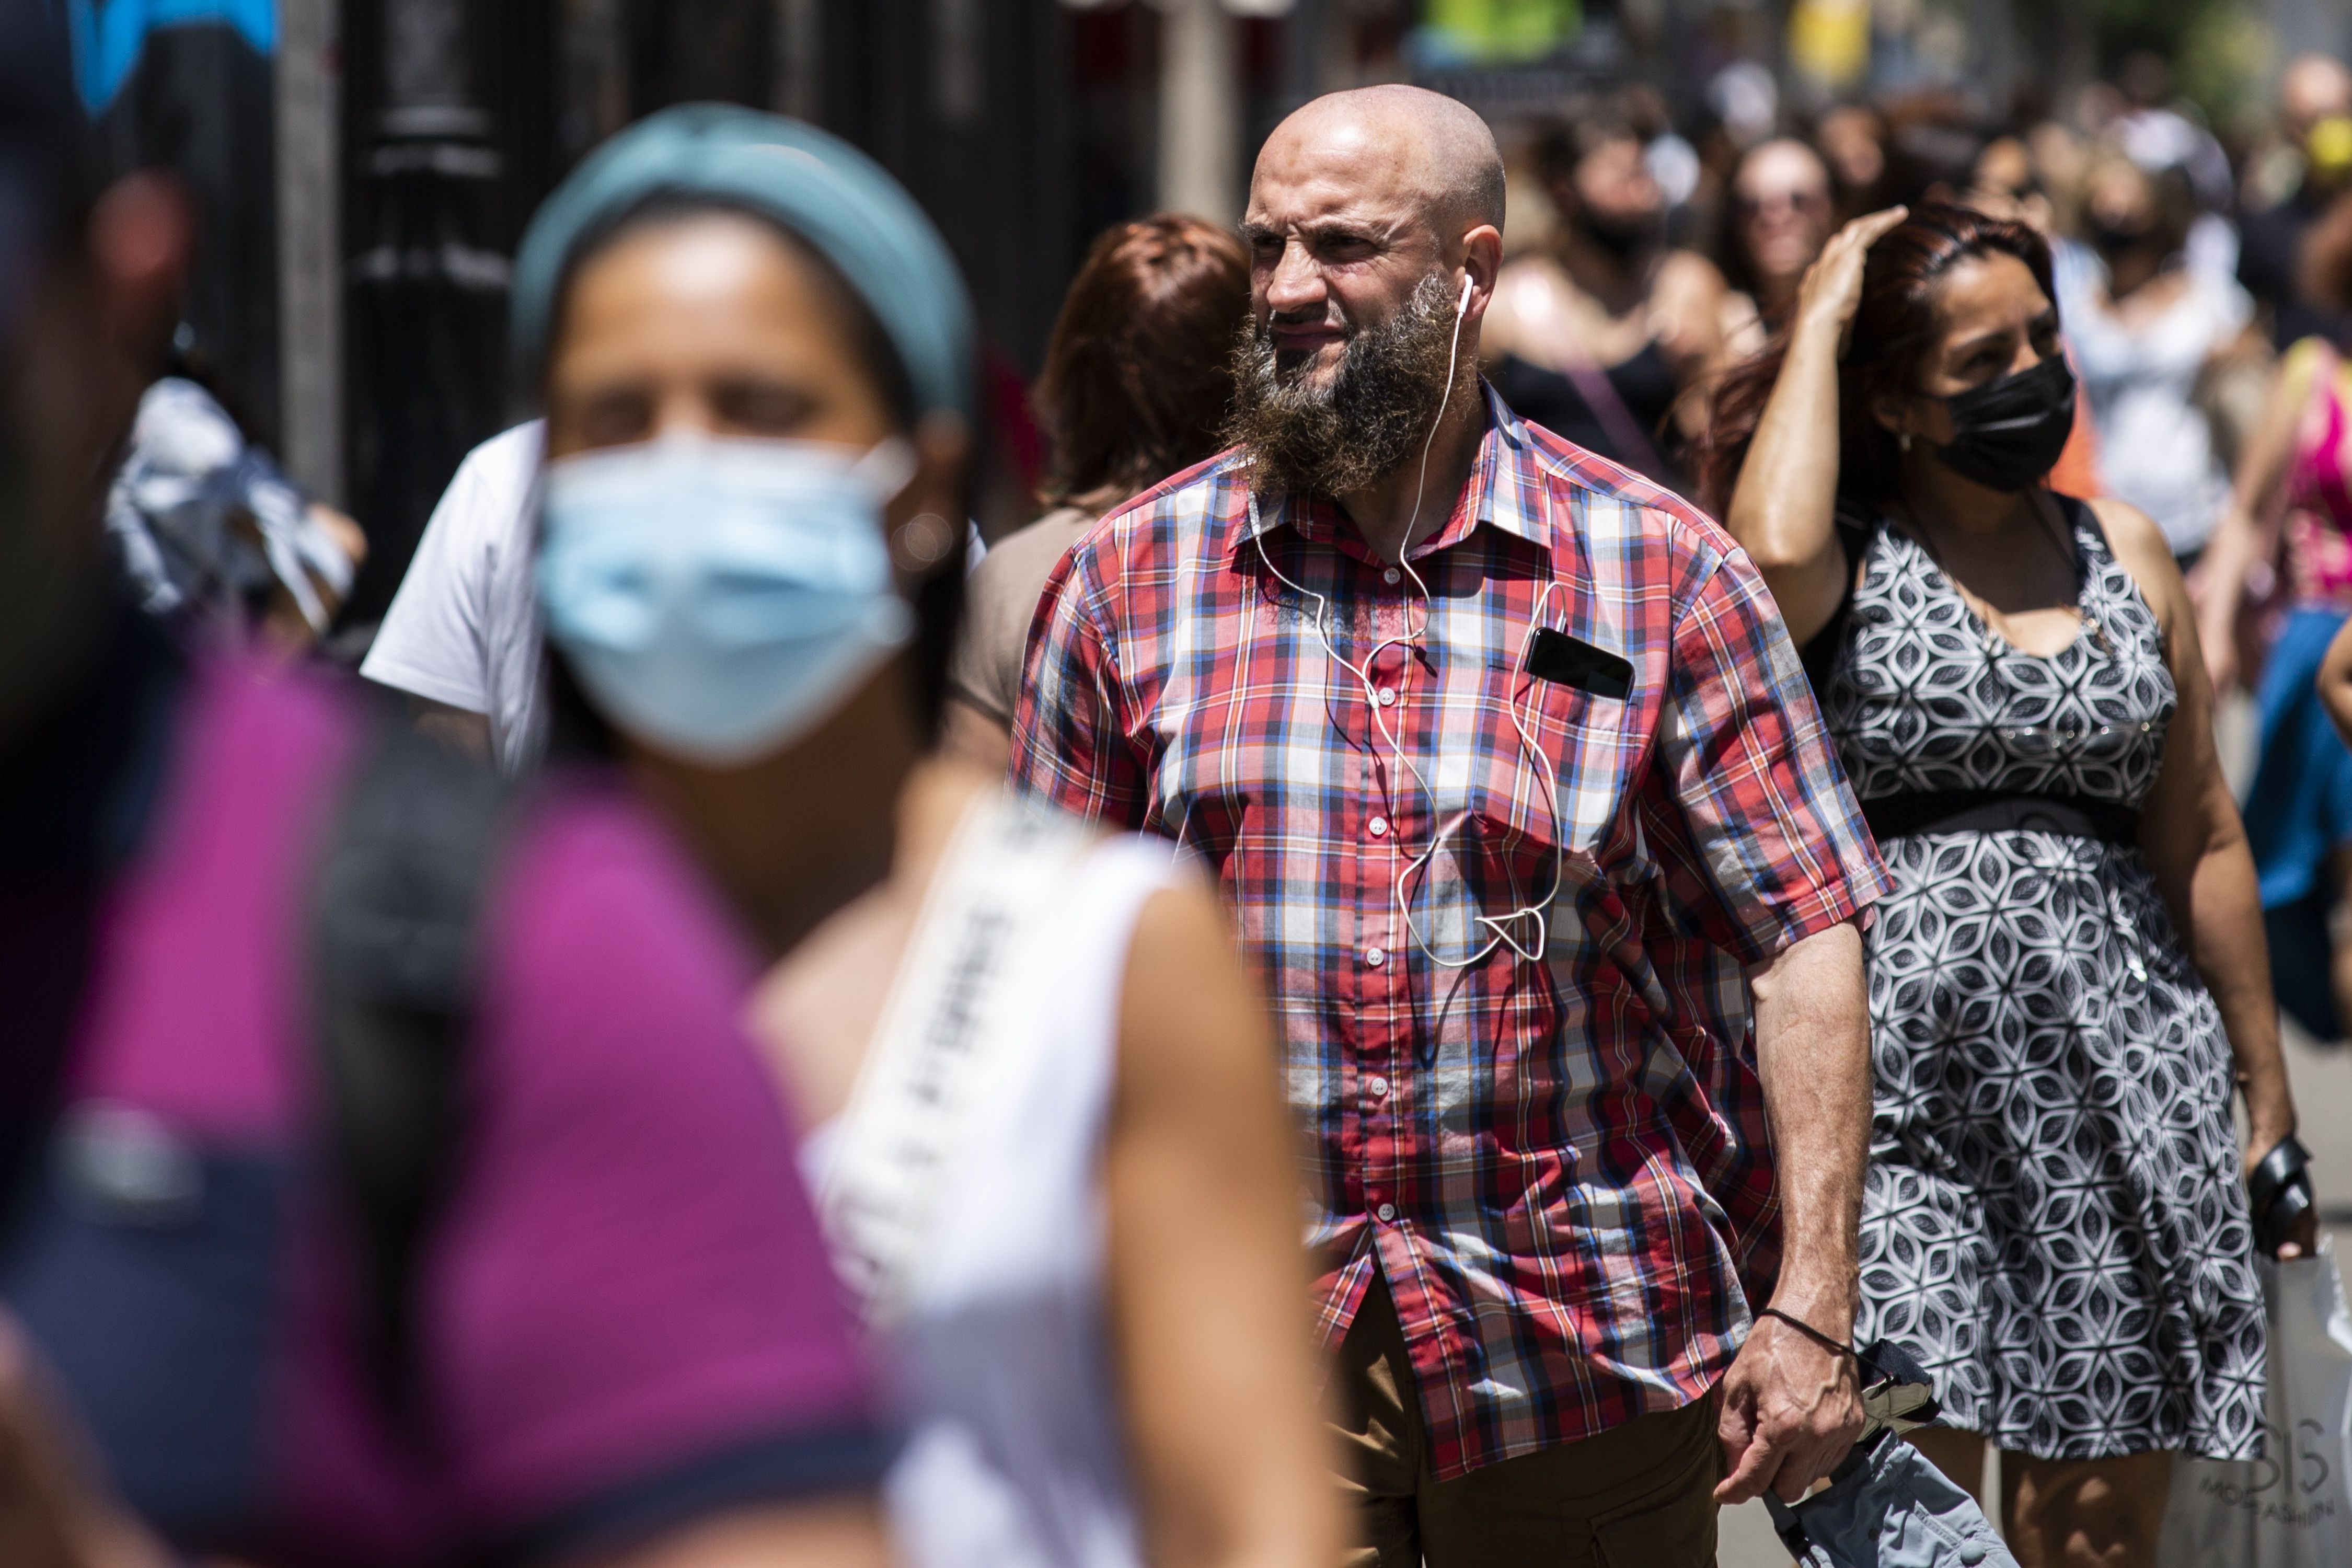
(1000, 601)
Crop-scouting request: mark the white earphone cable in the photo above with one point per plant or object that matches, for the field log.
(1504, 930)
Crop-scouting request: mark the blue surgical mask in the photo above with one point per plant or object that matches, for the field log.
(718, 598)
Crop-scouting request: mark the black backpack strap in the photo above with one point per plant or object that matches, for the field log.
(398, 903)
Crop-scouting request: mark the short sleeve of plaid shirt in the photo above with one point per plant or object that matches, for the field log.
(1744, 767)
(1551, 1147)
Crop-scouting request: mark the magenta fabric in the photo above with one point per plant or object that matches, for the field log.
(195, 1012)
(629, 1278)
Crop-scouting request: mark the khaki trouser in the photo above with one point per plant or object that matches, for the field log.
(1637, 1496)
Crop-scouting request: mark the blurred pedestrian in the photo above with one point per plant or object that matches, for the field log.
(1852, 141)
(2070, 971)
(1781, 214)
(1509, 776)
(1037, 1093)
(2168, 136)
(1137, 386)
(1595, 336)
(2277, 584)
(2005, 183)
(593, 1322)
(213, 535)
(2149, 336)
(2316, 120)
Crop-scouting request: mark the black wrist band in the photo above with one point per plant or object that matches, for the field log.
(1836, 1346)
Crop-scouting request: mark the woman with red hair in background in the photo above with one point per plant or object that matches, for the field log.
(1137, 379)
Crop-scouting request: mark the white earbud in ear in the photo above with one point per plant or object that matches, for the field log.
(1464, 309)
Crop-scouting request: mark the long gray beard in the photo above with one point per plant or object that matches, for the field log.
(1366, 423)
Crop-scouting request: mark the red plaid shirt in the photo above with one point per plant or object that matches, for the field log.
(1559, 1166)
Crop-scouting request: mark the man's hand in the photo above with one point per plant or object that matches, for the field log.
(1791, 1409)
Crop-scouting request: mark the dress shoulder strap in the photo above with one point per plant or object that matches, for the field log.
(1857, 528)
(2081, 518)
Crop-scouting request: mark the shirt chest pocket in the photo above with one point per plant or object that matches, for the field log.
(1523, 783)
(1549, 770)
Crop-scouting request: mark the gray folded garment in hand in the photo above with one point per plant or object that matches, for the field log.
(1887, 1507)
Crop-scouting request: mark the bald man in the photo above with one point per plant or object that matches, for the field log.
(1517, 793)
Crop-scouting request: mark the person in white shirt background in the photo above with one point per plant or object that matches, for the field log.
(2149, 330)
(462, 635)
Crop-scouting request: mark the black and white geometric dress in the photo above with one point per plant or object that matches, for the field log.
(2053, 1220)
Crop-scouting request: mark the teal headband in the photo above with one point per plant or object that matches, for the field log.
(816, 186)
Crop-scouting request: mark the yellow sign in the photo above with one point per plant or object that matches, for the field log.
(1829, 40)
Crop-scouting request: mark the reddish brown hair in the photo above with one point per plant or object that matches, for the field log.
(1137, 376)
(1893, 327)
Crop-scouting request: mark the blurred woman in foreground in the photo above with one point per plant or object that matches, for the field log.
(1138, 380)
(2069, 970)
(1042, 1121)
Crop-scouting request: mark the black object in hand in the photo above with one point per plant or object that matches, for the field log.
(2280, 1191)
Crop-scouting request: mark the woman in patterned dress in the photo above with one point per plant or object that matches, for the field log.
(2071, 969)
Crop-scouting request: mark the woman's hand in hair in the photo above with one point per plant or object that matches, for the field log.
(1827, 298)
(1784, 508)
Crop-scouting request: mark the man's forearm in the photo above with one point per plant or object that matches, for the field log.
(1812, 1049)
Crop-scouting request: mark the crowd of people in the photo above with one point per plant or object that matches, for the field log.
(1660, 790)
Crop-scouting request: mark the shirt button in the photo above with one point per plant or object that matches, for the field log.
(1391, 575)
(1387, 696)
(1386, 1211)
(1375, 957)
(1379, 826)
(1378, 1084)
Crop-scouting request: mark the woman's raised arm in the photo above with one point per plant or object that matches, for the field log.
(1783, 508)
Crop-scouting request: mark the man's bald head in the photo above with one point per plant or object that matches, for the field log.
(1371, 209)
(1425, 146)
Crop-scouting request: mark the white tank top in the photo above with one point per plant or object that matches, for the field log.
(961, 1191)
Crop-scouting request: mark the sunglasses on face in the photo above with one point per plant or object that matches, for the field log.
(1775, 202)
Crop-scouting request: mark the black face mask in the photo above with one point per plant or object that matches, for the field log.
(2006, 434)
(2109, 240)
(1621, 238)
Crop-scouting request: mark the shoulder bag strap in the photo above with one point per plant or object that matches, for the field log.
(910, 1119)
(397, 917)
